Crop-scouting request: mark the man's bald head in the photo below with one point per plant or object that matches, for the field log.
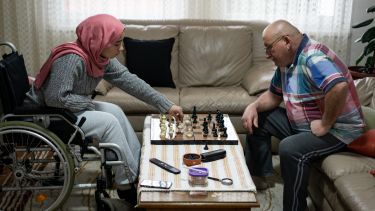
(278, 28)
(281, 40)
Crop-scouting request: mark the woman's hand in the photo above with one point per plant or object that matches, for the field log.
(176, 111)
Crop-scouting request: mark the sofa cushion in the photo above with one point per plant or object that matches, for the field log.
(369, 115)
(357, 191)
(214, 55)
(345, 163)
(155, 32)
(258, 78)
(150, 60)
(131, 105)
(231, 100)
(365, 144)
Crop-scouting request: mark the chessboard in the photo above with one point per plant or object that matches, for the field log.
(195, 129)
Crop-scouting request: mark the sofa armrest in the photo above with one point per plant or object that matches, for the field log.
(366, 91)
(258, 78)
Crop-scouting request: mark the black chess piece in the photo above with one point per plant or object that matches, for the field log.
(205, 123)
(195, 119)
(209, 117)
(225, 132)
(194, 114)
(206, 146)
(214, 132)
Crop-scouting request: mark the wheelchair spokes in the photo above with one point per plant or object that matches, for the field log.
(35, 167)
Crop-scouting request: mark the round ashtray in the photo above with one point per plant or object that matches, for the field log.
(192, 159)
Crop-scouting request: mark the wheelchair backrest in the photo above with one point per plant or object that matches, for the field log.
(14, 81)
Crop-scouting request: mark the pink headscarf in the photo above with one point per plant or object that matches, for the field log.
(94, 34)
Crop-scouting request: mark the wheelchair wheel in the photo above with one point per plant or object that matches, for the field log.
(36, 169)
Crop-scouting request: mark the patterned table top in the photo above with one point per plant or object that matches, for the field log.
(232, 166)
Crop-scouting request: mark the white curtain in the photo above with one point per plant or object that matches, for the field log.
(35, 26)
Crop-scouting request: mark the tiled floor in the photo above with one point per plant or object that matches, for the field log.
(84, 200)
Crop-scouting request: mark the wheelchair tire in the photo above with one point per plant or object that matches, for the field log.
(36, 169)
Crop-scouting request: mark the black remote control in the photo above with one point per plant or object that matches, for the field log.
(165, 166)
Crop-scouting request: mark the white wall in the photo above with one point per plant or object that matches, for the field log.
(359, 14)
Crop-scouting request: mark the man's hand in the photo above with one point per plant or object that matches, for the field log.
(176, 111)
(250, 118)
(318, 129)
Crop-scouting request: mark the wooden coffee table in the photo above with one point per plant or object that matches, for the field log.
(181, 196)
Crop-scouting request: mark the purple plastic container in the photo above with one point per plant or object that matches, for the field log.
(198, 176)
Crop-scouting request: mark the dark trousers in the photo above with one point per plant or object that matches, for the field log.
(297, 150)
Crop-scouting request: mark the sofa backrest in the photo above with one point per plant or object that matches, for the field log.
(205, 52)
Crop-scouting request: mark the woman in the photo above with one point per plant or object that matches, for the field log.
(71, 74)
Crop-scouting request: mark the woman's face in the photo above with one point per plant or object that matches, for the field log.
(115, 48)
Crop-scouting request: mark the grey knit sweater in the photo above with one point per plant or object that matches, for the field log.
(69, 86)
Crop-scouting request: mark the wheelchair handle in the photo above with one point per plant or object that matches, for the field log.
(10, 45)
(81, 121)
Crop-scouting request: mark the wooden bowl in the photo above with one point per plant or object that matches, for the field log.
(192, 159)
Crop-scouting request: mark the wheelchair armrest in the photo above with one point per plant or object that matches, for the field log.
(35, 110)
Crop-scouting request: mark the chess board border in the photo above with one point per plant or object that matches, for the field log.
(197, 138)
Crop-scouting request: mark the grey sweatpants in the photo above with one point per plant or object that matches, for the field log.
(297, 151)
(109, 124)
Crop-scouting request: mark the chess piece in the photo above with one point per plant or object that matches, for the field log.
(205, 131)
(189, 133)
(225, 132)
(170, 130)
(194, 114)
(162, 134)
(205, 123)
(170, 133)
(214, 132)
(195, 119)
(206, 146)
(188, 130)
(209, 117)
(180, 128)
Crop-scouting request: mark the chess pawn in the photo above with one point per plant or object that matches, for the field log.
(209, 117)
(214, 132)
(225, 132)
(189, 132)
(187, 122)
(180, 127)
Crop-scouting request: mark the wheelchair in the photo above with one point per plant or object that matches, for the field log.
(43, 148)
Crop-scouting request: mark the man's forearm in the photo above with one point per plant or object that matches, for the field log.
(267, 101)
(334, 102)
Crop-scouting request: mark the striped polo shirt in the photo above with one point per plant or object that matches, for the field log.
(303, 85)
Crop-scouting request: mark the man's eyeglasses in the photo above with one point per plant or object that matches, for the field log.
(270, 46)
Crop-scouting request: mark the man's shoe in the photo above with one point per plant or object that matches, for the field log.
(260, 182)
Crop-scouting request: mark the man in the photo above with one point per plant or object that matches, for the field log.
(322, 112)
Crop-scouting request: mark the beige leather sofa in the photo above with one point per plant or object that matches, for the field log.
(342, 182)
(221, 65)
(214, 64)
